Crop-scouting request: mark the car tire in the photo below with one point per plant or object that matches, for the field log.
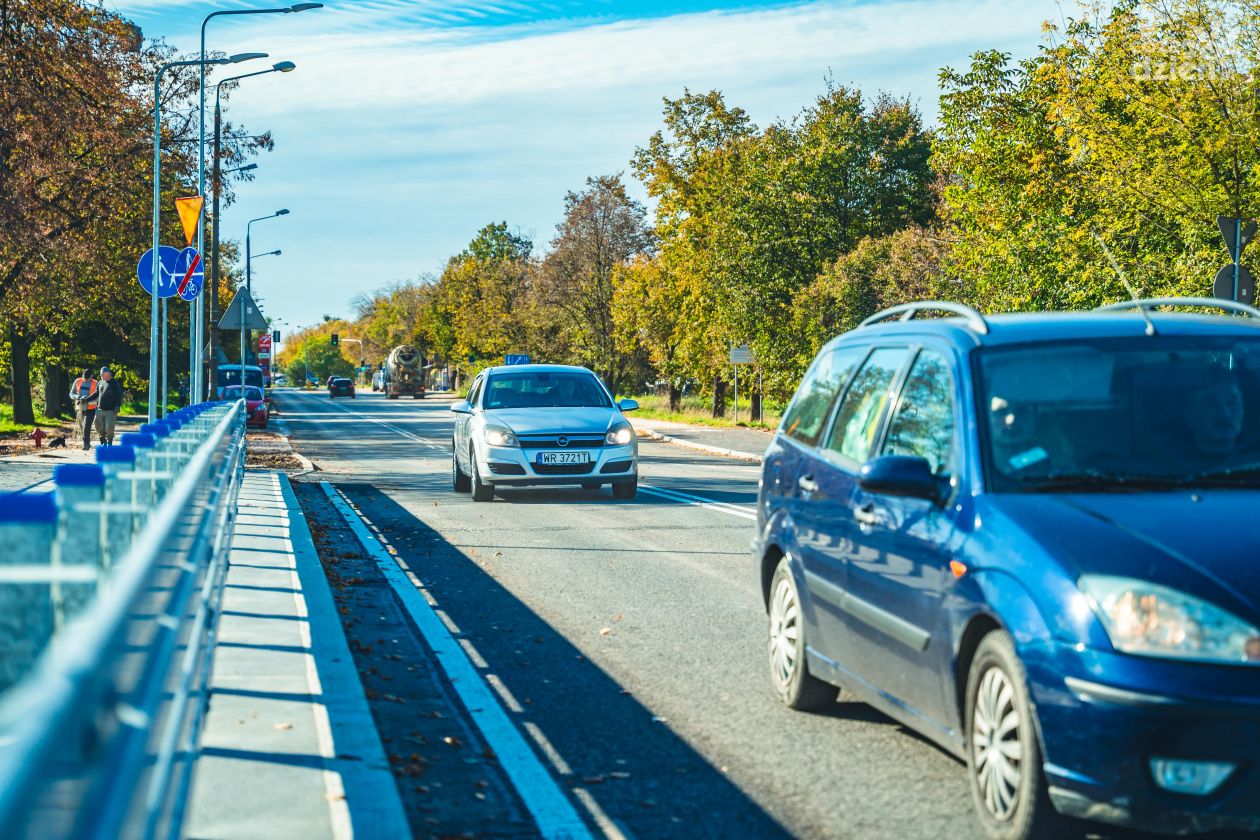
(460, 479)
(1008, 787)
(481, 492)
(795, 686)
(627, 490)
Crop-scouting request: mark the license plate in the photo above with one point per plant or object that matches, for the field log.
(558, 458)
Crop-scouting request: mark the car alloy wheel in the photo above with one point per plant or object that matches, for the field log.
(459, 479)
(789, 672)
(1008, 786)
(995, 740)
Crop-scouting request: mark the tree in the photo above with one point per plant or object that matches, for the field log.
(603, 229)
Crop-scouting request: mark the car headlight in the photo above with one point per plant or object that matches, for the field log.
(1152, 620)
(619, 435)
(499, 436)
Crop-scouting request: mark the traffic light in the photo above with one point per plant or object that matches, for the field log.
(275, 337)
(332, 339)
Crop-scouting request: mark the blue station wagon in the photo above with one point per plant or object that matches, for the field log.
(1035, 539)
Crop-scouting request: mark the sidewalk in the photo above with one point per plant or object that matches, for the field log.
(289, 748)
(732, 441)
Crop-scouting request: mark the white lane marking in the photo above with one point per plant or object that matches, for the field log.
(391, 427)
(551, 809)
(699, 501)
(610, 829)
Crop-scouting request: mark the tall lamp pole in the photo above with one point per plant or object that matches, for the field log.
(212, 288)
(280, 67)
(156, 278)
(197, 323)
(248, 285)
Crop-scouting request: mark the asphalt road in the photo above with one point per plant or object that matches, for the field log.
(629, 635)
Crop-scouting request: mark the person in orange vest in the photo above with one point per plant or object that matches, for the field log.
(83, 393)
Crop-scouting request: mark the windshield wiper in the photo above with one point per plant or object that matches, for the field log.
(1093, 480)
(1244, 474)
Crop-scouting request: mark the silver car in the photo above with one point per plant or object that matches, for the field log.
(542, 425)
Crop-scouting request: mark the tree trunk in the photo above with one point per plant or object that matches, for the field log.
(20, 362)
(719, 397)
(55, 390)
(675, 396)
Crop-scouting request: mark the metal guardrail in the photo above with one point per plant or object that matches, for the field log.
(98, 739)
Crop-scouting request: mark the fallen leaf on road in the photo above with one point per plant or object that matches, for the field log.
(604, 631)
(452, 741)
(282, 726)
(619, 774)
(657, 719)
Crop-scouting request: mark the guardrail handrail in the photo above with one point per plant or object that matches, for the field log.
(89, 695)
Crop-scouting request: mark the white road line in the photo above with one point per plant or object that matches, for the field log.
(551, 809)
(391, 427)
(699, 501)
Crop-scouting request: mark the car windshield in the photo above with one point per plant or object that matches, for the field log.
(233, 392)
(1140, 413)
(544, 389)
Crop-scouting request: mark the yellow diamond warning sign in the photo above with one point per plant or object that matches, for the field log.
(189, 212)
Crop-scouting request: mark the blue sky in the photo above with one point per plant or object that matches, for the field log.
(410, 124)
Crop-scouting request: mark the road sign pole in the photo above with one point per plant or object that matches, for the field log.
(736, 394)
(1237, 252)
(157, 263)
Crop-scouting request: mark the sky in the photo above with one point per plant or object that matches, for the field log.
(408, 125)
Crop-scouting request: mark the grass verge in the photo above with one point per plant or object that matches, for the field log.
(698, 411)
(8, 427)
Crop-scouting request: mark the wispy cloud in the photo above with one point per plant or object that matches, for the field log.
(411, 123)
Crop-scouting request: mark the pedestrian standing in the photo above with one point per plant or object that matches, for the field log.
(108, 401)
(83, 393)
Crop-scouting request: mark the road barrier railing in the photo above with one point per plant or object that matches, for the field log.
(109, 598)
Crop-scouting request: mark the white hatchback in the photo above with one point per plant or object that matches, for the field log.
(528, 425)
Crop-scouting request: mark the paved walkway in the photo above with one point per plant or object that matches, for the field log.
(735, 441)
(289, 748)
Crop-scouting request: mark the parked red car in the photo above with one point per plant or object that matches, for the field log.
(256, 410)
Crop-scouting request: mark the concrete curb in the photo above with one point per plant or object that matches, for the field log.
(282, 429)
(699, 447)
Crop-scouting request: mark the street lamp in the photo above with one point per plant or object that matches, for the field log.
(197, 325)
(279, 67)
(275, 253)
(248, 284)
(157, 208)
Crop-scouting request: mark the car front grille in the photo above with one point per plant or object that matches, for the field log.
(552, 441)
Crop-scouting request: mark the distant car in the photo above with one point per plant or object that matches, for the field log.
(1033, 539)
(339, 386)
(257, 411)
(329, 380)
(378, 380)
(542, 425)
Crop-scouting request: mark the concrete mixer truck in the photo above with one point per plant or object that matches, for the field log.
(404, 373)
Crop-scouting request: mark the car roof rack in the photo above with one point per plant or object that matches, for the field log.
(906, 311)
(1208, 303)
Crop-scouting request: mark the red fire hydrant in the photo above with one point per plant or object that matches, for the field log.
(38, 436)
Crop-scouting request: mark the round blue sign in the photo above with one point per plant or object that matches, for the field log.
(168, 283)
(190, 274)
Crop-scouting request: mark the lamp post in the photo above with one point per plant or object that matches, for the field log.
(280, 67)
(248, 285)
(197, 325)
(157, 209)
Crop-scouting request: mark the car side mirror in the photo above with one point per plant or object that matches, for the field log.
(628, 405)
(908, 476)
(461, 407)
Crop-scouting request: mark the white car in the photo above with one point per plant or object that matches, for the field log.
(528, 425)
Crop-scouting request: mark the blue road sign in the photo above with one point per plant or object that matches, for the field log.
(190, 274)
(168, 283)
(516, 359)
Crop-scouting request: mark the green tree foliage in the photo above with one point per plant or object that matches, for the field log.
(1135, 125)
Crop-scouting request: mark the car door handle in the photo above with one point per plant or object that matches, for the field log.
(866, 514)
(807, 484)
